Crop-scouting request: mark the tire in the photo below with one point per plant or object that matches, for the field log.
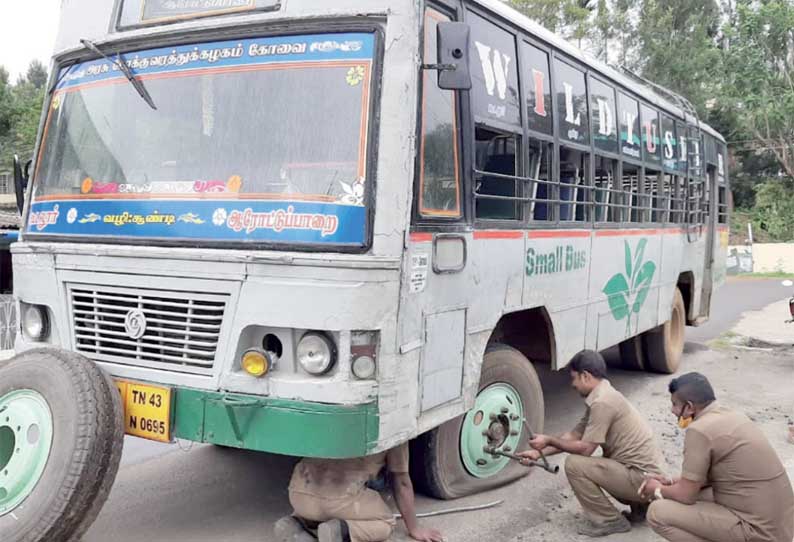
(438, 465)
(664, 345)
(632, 356)
(86, 443)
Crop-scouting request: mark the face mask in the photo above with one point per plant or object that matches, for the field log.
(684, 422)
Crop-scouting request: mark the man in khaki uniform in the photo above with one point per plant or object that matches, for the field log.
(748, 496)
(627, 441)
(332, 496)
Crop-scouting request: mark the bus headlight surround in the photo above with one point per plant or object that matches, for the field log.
(316, 353)
(35, 322)
(363, 367)
(256, 363)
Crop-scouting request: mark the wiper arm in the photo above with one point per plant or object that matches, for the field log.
(118, 61)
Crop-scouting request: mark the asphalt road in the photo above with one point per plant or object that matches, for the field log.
(193, 493)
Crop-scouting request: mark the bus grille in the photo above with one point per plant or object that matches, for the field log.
(181, 330)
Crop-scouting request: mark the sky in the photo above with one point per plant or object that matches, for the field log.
(27, 32)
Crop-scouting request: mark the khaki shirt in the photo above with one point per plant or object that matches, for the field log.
(623, 434)
(340, 478)
(726, 450)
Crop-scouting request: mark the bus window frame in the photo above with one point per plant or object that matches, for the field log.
(118, 11)
(204, 35)
(418, 217)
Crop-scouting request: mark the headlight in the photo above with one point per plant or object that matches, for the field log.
(35, 325)
(316, 353)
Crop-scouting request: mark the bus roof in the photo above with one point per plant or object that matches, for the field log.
(643, 90)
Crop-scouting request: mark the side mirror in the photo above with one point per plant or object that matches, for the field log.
(20, 181)
(788, 283)
(453, 56)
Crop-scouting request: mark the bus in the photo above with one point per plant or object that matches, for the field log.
(322, 229)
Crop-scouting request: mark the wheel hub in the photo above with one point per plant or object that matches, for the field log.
(25, 443)
(493, 424)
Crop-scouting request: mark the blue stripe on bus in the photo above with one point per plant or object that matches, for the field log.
(221, 220)
(247, 52)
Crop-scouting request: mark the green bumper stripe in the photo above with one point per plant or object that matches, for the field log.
(275, 425)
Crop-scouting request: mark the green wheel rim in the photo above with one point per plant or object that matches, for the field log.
(494, 422)
(25, 443)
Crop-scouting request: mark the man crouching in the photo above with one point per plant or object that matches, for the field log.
(332, 495)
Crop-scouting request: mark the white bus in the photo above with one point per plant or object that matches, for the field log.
(324, 228)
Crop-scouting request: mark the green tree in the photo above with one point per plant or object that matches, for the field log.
(36, 74)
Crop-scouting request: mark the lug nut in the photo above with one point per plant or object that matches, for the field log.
(492, 417)
(505, 410)
(513, 433)
(508, 449)
(514, 417)
(481, 462)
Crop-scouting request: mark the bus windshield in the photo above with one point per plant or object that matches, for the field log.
(252, 140)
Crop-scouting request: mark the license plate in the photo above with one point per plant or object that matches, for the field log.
(147, 410)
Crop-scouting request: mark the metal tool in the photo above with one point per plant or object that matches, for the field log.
(543, 463)
(553, 469)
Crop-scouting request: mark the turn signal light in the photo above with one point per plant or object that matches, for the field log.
(256, 363)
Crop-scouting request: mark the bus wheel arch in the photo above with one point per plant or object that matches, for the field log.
(449, 461)
(77, 460)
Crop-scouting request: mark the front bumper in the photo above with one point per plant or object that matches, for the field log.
(275, 425)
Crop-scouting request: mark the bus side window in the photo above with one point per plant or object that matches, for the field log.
(497, 196)
(539, 184)
(631, 189)
(680, 201)
(574, 185)
(653, 195)
(608, 198)
(439, 172)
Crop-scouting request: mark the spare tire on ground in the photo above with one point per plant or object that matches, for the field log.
(61, 436)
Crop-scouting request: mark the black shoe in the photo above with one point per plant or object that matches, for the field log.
(335, 530)
(637, 513)
(595, 530)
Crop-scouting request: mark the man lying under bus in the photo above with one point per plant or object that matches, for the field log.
(627, 441)
(335, 499)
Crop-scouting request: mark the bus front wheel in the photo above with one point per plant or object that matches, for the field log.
(61, 437)
(664, 345)
(451, 461)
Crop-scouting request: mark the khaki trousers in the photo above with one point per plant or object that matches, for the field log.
(704, 521)
(590, 477)
(367, 516)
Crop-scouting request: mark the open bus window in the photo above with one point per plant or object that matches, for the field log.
(496, 190)
(723, 204)
(608, 199)
(654, 195)
(695, 196)
(631, 186)
(439, 178)
(574, 190)
(539, 184)
(679, 200)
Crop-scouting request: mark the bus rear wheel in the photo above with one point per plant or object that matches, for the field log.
(664, 345)
(632, 355)
(61, 435)
(450, 461)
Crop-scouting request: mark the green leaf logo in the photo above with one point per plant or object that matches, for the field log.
(626, 294)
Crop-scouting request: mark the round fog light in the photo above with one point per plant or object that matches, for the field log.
(255, 363)
(363, 367)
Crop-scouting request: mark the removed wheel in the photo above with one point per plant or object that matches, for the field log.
(632, 356)
(60, 444)
(450, 461)
(664, 345)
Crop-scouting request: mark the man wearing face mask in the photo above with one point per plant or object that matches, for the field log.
(629, 450)
(733, 487)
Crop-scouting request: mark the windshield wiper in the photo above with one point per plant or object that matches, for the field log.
(66, 68)
(119, 62)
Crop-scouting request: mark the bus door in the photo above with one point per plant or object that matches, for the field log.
(709, 217)
(436, 276)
